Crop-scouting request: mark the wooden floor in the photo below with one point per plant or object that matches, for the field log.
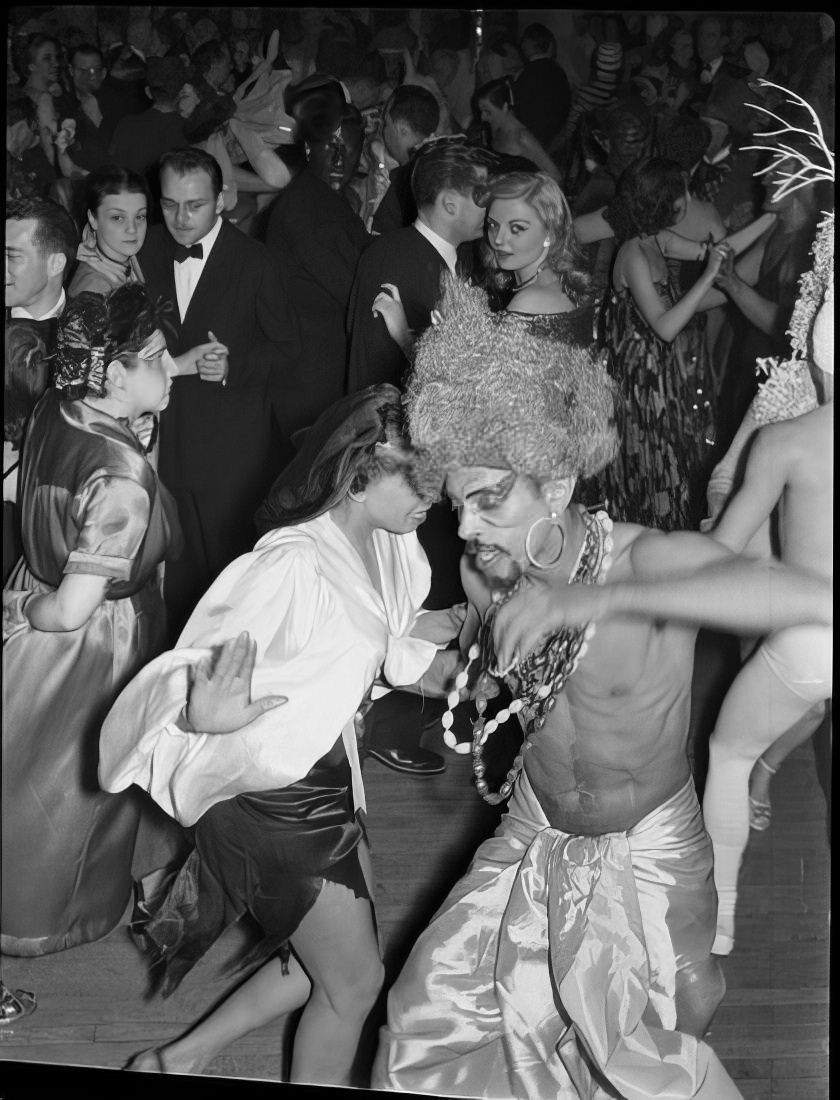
(771, 1031)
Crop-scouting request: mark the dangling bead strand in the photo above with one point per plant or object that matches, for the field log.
(564, 650)
(452, 701)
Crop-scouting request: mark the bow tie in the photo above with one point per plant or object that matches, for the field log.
(182, 253)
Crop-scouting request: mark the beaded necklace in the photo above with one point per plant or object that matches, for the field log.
(542, 674)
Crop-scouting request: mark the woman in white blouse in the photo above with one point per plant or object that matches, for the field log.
(325, 607)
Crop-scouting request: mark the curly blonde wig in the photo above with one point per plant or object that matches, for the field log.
(482, 393)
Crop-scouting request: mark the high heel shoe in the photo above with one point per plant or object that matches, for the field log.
(14, 1005)
(760, 815)
(761, 812)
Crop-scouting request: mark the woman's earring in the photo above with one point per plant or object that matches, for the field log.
(553, 519)
(547, 242)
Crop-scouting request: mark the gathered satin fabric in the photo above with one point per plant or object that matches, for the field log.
(323, 634)
(91, 504)
(268, 854)
(550, 970)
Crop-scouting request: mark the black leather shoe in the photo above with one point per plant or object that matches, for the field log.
(413, 762)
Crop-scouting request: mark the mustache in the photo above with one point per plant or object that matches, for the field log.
(473, 547)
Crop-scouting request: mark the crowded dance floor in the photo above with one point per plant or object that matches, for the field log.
(417, 552)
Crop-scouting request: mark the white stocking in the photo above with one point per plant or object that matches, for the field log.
(757, 710)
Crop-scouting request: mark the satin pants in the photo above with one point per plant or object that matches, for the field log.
(551, 967)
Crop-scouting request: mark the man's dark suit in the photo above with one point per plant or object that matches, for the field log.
(407, 259)
(317, 238)
(542, 98)
(726, 75)
(398, 207)
(214, 439)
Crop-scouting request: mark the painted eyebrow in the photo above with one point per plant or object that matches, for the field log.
(500, 488)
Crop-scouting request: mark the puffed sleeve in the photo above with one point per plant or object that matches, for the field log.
(113, 516)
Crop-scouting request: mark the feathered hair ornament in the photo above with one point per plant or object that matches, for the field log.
(788, 389)
(807, 171)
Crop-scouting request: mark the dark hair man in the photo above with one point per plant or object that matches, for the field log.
(41, 243)
(541, 94)
(215, 436)
(411, 117)
(444, 175)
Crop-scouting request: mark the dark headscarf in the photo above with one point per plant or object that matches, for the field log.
(334, 451)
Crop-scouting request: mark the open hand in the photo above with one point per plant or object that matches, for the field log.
(388, 305)
(539, 609)
(220, 696)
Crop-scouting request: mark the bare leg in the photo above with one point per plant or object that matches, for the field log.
(265, 996)
(757, 710)
(336, 942)
(698, 992)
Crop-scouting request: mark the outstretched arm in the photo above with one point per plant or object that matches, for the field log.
(677, 247)
(711, 587)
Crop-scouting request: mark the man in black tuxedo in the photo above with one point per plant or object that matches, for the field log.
(41, 243)
(542, 96)
(314, 231)
(215, 436)
(445, 175)
(411, 116)
(711, 40)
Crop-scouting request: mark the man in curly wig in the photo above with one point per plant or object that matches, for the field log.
(573, 959)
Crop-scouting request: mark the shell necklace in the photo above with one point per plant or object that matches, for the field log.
(542, 674)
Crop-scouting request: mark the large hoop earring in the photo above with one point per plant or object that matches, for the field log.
(552, 519)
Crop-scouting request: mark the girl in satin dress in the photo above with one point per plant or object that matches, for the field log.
(82, 611)
(330, 598)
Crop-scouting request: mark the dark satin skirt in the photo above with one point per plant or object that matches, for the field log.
(268, 854)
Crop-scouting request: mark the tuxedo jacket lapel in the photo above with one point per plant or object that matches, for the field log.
(212, 286)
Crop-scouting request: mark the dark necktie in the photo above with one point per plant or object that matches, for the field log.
(182, 253)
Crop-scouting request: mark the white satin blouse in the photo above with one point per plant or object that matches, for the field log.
(323, 636)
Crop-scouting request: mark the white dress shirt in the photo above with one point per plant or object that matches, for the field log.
(447, 251)
(56, 311)
(707, 75)
(188, 272)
